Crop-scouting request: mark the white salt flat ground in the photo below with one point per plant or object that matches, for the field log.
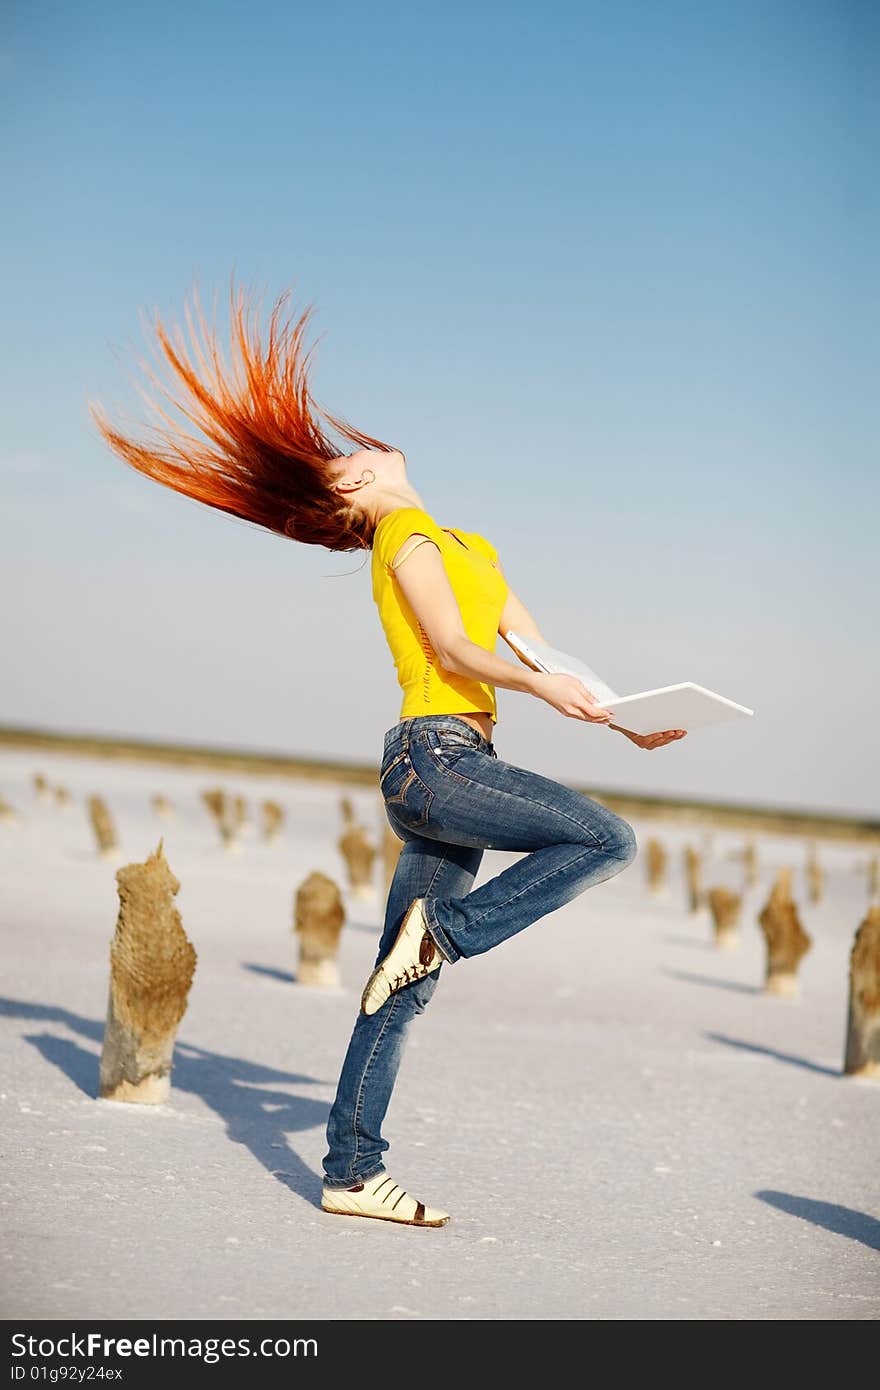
(619, 1122)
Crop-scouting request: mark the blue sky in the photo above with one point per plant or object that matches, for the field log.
(606, 273)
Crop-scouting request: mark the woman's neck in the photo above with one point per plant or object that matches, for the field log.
(393, 501)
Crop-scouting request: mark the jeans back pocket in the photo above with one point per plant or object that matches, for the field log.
(405, 795)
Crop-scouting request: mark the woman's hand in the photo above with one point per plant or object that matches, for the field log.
(650, 740)
(570, 696)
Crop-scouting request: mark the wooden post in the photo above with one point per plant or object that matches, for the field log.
(874, 878)
(815, 877)
(863, 1022)
(102, 824)
(656, 868)
(62, 798)
(41, 787)
(347, 810)
(239, 812)
(359, 854)
(273, 818)
(750, 863)
(222, 810)
(693, 869)
(151, 970)
(8, 813)
(162, 806)
(215, 800)
(786, 939)
(318, 916)
(725, 907)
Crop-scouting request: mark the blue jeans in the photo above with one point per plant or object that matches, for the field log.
(449, 798)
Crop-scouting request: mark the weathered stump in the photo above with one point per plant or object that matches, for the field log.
(750, 863)
(656, 868)
(102, 824)
(786, 939)
(215, 800)
(151, 970)
(863, 1021)
(725, 907)
(347, 810)
(815, 876)
(62, 798)
(273, 819)
(693, 870)
(359, 853)
(41, 787)
(162, 806)
(318, 916)
(239, 812)
(222, 810)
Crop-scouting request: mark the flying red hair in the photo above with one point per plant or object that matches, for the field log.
(267, 455)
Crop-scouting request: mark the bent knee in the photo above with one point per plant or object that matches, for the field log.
(621, 840)
(617, 837)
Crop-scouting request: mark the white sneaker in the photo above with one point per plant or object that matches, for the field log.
(413, 956)
(381, 1198)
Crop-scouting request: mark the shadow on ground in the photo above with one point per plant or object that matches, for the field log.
(233, 1087)
(774, 1052)
(271, 971)
(711, 980)
(843, 1221)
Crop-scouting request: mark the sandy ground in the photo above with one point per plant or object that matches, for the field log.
(620, 1123)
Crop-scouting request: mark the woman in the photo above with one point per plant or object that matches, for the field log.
(442, 599)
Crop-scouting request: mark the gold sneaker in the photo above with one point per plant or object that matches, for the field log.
(413, 956)
(382, 1198)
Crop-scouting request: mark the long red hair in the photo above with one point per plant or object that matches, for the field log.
(266, 455)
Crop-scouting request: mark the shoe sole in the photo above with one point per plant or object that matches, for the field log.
(398, 1221)
(378, 970)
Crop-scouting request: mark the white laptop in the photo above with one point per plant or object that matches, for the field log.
(684, 706)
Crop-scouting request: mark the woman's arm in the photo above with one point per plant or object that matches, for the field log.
(425, 585)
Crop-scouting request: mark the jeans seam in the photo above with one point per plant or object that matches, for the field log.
(588, 849)
(445, 944)
(536, 882)
(441, 865)
(412, 778)
(384, 771)
(533, 801)
(358, 1106)
(457, 776)
(465, 730)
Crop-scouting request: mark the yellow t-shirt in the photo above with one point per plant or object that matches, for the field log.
(469, 560)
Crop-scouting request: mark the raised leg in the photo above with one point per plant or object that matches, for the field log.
(476, 798)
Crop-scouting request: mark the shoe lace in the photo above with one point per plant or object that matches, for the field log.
(408, 975)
